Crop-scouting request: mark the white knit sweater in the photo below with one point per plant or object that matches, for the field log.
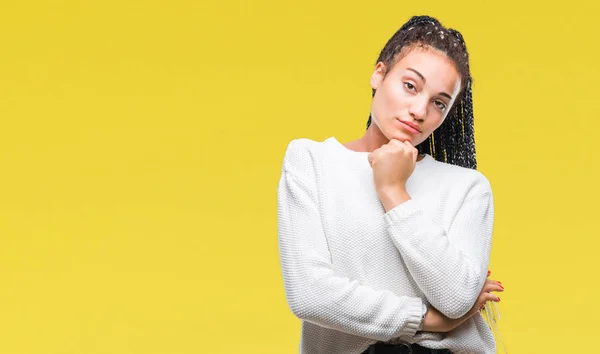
(356, 275)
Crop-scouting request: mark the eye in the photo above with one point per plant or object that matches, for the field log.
(440, 105)
(410, 86)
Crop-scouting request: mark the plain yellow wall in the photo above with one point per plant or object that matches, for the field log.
(141, 146)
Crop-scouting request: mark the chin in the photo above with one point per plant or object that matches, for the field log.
(403, 138)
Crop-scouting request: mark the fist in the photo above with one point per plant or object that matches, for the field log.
(392, 164)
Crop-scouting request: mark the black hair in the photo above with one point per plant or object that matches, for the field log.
(454, 140)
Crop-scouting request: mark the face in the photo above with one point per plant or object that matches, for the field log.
(419, 91)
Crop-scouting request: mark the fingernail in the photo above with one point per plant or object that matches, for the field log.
(498, 298)
(499, 282)
(489, 272)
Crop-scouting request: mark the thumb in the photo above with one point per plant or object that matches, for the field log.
(415, 152)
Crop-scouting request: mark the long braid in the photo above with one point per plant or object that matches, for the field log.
(454, 140)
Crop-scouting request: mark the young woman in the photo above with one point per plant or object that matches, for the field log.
(385, 241)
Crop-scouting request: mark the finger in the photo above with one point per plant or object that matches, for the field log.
(486, 298)
(492, 286)
(403, 145)
(395, 142)
(491, 297)
(411, 148)
(415, 153)
(491, 281)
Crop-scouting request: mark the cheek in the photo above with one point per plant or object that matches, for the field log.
(434, 122)
(393, 96)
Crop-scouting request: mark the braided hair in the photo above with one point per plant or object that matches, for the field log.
(453, 141)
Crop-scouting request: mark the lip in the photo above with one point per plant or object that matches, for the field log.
(410, 126)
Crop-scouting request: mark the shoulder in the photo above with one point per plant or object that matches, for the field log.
(298, 149)
(474, 181)
(300, 154)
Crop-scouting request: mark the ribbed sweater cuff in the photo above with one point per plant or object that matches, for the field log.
(414, 309)
(400, 211)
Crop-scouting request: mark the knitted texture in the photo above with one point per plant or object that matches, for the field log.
(355, 274)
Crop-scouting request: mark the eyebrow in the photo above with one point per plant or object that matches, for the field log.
(424, 80)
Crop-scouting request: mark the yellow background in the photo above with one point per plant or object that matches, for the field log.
(141, 145)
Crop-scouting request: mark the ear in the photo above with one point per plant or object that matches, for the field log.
(378, 75)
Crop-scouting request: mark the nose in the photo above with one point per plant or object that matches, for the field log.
(418, 108)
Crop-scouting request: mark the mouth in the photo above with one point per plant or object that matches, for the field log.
(411, 127)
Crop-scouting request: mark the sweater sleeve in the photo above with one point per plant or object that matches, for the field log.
(449, 266)
(314, 292)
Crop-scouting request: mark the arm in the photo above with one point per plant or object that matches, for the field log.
(450, 266)
(314, 292)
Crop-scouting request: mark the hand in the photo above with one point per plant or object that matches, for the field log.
(392, 164)
(485, 296)
(437, 322)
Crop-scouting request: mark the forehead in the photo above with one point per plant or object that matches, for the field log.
(438, 69)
